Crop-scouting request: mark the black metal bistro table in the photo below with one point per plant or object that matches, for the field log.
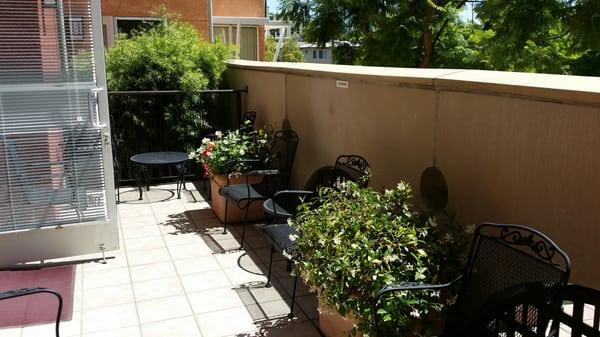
(145, 160)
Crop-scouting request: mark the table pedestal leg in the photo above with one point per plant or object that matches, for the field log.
(139, 177)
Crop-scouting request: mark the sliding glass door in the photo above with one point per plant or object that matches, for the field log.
(56, 187)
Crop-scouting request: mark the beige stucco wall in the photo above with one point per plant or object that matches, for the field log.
(515, 148)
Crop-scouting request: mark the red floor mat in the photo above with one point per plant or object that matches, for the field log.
(38, 308)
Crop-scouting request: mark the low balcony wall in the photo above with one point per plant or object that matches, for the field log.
(514, 147)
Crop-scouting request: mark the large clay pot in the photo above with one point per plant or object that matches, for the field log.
(234, 214)
(333, 324)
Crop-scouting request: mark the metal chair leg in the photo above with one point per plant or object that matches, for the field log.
(291, 314)
(270, 267)
(225, 220)
(244, 226)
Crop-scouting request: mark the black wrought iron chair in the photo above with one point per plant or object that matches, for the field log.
(284, 205)
(506, 261)
(248, 121)
(276, 175)
(581, 311)
(32, 291)
(350, 167)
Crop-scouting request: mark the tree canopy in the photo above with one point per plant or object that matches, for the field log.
(290, 51)
(554, 36)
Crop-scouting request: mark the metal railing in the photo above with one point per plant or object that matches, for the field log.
(148, 121)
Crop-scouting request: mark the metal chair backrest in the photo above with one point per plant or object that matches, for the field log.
(283, 153)
(351, 168)
(504, 260)
(248, 120)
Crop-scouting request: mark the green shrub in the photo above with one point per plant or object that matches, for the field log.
(167, 56)
(355, 240)
(290, 51)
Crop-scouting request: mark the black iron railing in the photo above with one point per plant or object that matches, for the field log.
(167, 120)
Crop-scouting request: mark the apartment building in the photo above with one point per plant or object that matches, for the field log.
(238, 22)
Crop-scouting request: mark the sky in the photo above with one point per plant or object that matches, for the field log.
(273, 5)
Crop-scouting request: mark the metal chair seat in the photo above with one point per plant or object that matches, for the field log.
(243, 192)
(281, 236)
(273, 208)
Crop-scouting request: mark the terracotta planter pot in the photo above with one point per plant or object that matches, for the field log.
(234, 214)
(333, 324)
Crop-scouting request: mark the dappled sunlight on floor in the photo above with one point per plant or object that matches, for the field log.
(178, 274)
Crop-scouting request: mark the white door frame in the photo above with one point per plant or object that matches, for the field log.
(71, 241)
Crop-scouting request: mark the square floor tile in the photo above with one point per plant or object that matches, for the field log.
(152, 271)
(109, 318)
(163, 309)
(205, 281)
(226, 322)
(107, 296)
(179, 327)
(148, 256)
(132, 331)
(196, 265)
(158, 288)
(214, 300)
(146, 243)
(105, 278)
(189, 251)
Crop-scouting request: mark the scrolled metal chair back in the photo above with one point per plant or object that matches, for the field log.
(351, 168)
(504, 258)
(283, 154)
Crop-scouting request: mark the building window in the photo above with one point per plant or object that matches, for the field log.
(248, 44)
(134, 25)
(76, 28)
(320, 53)
(324, 54)
(314, 54)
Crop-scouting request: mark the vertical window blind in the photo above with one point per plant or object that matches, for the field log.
(51, 166)
(248, 44)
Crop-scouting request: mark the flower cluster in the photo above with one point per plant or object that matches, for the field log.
(233, 151)
(355, 240)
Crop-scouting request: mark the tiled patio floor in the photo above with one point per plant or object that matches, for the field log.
(174, 277)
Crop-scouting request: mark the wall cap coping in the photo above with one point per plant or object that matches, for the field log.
(547, 87)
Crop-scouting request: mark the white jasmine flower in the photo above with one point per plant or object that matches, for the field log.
(337, 240)
(415, 313)
(242, 152)
(391, 258)
(432, 221)
(435, 294)
(293, 236)
(219, 134)
(401, 186)
(448, 237)
(470, 229)
(205, 140)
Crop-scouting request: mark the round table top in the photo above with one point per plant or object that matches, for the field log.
(159, 158)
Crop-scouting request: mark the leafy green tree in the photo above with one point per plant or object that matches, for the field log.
(168, 56)
(515, 35)
(401, 33)
(290, 51)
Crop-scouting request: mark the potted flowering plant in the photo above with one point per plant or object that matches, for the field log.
(355, 240)
(226, 158)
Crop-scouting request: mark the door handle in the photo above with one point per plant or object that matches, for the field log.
(93, 108)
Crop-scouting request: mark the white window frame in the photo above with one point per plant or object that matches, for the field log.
(238, 35)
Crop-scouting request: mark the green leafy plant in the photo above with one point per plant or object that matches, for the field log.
(290, 51)
(355, 240)
(166, 56)
(233, 152)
